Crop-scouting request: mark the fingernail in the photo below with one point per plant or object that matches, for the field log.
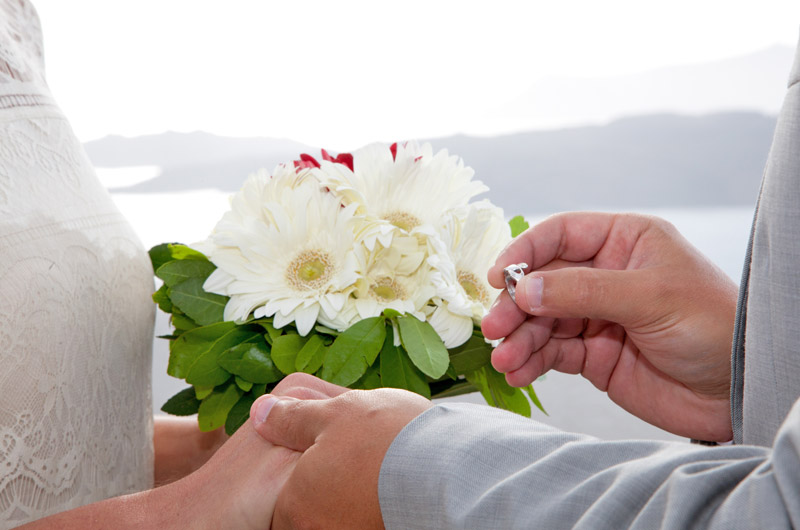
(533, 291)
(261, 407)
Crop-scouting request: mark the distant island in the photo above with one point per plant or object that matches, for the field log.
(639, 162)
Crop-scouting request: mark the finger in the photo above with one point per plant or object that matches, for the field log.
(563, 355)
(503, 317)
(290, 422)
(306, 386)
(515, 350)
(618, 296)
(561, 264)
(573, 237)
(566, 328)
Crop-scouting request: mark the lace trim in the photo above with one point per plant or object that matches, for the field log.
(12, 101)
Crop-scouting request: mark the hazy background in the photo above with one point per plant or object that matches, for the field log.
(666, 108)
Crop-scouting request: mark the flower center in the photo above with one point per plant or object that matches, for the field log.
(403, 220)
(309, 270)
(472, 287)
(387, 290)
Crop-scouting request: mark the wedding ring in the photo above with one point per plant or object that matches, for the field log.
(514, 273)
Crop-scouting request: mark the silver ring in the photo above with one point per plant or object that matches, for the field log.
(514, 273)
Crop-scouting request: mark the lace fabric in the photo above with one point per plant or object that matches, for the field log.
(76, 319)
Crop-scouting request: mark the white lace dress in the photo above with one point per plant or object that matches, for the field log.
(76, 320)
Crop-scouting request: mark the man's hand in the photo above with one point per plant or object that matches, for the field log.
(344, 439)
(628, 303)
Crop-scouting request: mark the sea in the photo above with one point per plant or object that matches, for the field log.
(572, 403)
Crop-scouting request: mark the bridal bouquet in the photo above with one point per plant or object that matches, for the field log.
(367, 270)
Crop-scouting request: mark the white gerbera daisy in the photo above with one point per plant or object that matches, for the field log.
(406, 185)
(395, 278)
(284, 250)
(247, 205)
(472, 238)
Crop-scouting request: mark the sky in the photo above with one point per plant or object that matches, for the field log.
(344, 73)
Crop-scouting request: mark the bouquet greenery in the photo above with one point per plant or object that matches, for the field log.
(367, 270)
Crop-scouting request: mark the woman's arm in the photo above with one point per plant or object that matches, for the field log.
(167, 507)
(236, 488)
(181, 448)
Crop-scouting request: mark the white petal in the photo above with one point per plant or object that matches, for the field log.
(395, 334)
(305, 318)
(453, 329)
(332, 303)
(409, 263)
(281, 320)
(217, 282)
(284, 305)
(367, 307)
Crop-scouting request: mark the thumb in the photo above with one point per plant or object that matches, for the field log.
(289, 422)
(584, 292)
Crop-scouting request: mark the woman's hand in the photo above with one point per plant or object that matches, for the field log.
(238, 487)
(181, 448)
(628, 303)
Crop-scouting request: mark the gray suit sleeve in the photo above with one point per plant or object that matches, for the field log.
(471, 466)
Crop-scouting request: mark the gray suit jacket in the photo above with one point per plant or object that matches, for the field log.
(467, 466)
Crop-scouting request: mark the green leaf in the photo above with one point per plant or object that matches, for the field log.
(162, 299)
(391, 313)
(518, 225)
(258, 390)
(397, 370)
(473, 354)
(310, 357)
(250, 361)
(202, 392)
(458, 389)
(534, 398)
(182, 322)
(175, 272)
(204, 308)
(424, 346)
(326, 330)
(284, 351)
(193, 355)
(272, 332)
(239, 414)
(214, 409)
(241, 383)
(180, 251)
(184, 403)
(206, 370)
(185, 350)
(370, 380)
(497, 392)
(354, 351)
(159, 255)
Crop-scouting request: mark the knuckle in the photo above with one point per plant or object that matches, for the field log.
(297, 379)
(659, 224)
